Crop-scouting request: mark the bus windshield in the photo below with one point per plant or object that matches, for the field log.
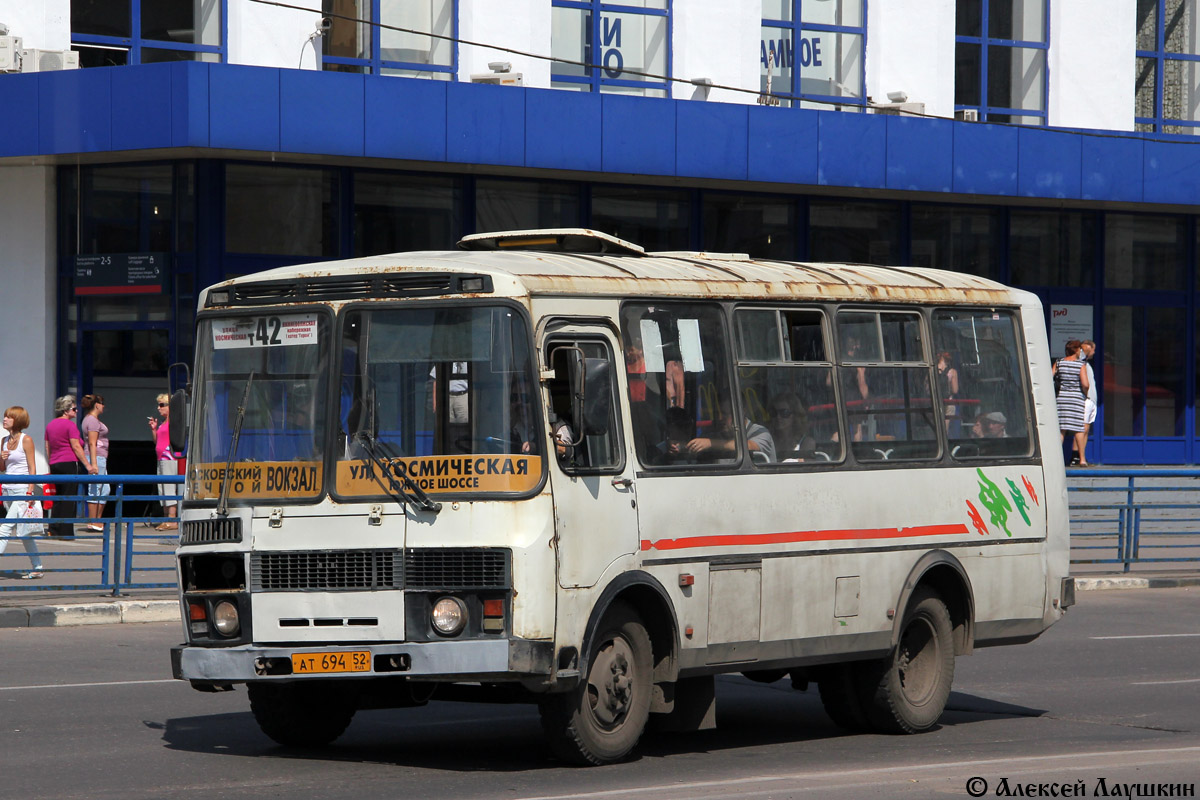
(445, 393)
(264, 376)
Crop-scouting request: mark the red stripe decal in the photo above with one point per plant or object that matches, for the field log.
(745, 539)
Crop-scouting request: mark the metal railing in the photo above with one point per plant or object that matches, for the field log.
(126, 554)
(1134, 516)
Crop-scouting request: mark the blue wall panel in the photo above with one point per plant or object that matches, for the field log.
(75, 110)
(189, 104)
(321, 112)
(1172, 172)
(19, 99)
(920, 154)
(711, 140)
(243, 107)
(141, 107)
(405, 119)
(1049, 163)
(851, 149)
(639, 135)
(1111, 168)
(985, 159)
(485, 124)
(782, 144)
(562, 130)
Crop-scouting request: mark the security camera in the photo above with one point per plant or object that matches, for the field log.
(898, 97)
(324, 25)
(500, 66)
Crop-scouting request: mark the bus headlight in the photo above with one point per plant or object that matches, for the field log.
(449, 616)
(225, 618)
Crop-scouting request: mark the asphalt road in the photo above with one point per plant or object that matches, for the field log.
(1111, 692)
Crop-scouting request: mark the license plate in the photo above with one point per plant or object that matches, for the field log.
(323, 663)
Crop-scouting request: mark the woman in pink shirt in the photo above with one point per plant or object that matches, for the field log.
(168, 463)
(64, 451)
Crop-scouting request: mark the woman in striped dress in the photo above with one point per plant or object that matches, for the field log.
(1072, 391)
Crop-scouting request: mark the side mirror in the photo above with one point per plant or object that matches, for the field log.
(178, 431)
(597, 396)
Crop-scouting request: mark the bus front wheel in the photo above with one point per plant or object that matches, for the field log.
(601, 720)
(914, 683)
(302, 714)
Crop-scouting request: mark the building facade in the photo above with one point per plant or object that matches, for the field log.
(1044, 143)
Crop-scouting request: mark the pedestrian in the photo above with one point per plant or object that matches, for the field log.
(64, 450)
(1087, 351)
(17, 458)
(168, 463)
(95, 435)
(1071, 387)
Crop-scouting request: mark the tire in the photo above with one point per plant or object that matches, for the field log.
(304, 714)
(910, 694)
(602, 719)
(841, 690)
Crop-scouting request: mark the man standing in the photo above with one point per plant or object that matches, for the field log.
(1086, 351)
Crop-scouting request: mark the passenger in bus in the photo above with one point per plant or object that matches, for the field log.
(992, 425)
(522, 432)
(947, 381)
(722, 444)
(789, 428)
(681, 429)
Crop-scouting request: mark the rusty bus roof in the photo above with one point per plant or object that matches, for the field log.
(674, 274)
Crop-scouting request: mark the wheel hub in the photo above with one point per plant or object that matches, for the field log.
(610, 685)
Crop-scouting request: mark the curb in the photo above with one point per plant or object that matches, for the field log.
(1131, 582)
(90, 614)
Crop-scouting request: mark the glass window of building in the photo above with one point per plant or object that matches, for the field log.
(600, 47)
(117, 32)
(1144, 252)
(958, 239)
(854, 232)
(762, 227)
(656, 219)
(394, 213)
(1000, 59)
(813, 49)
(1052, 248)
(412, 38)
(286, 211)
(1167, 77)
(508, 205)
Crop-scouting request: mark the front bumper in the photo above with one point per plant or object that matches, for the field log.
(492, 660)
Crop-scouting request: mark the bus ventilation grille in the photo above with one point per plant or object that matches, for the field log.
(456, 569)
(326, 570)
(211, 531)
(342, 288)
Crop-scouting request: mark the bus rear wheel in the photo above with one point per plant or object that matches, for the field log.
(302, 714)
(602, 719)
(911, 691)
(841, 690)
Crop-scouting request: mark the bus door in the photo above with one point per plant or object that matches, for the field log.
(592, 480)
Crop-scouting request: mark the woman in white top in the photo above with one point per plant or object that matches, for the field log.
(17, 458)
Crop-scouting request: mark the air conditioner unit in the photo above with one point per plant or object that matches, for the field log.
(900, 109)
(10, 53)
(967, 115)
(499, 78)
(35, 60)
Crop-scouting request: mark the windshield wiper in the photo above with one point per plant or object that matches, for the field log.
(418, 497)
(223, 497)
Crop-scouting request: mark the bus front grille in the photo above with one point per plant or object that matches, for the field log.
(211, 531)
(456, 568)
(326, 570)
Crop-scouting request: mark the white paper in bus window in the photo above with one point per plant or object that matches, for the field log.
(652, 348)
(689, 345)
(272, 331)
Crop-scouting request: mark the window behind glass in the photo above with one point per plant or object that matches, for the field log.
(885, 389)
(446, 393)
(981, 383)
(785, 379)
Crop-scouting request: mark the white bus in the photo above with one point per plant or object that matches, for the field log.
(551, 467)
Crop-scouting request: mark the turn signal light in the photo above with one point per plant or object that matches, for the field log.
(493, 608)
(196, 612)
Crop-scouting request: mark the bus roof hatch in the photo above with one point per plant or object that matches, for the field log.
(558, 240)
